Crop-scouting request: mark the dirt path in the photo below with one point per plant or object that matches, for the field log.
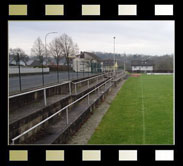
(87, 129)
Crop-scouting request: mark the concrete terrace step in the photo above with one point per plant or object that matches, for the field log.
(24, 118)
(34, 113)
(20, 113)
(33, 108)
(60, 131)
(37, 94)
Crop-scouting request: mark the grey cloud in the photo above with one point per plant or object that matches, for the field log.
(152, 37)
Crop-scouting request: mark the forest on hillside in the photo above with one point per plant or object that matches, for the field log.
(161, 62)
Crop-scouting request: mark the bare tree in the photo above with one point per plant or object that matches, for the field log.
(69, 48)
(38, 50)
(17, 54)
(55, 50)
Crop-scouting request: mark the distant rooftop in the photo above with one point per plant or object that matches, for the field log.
(108, 62)
(82, 55)
(142, 63)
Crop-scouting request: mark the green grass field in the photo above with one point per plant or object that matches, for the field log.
(141, 113)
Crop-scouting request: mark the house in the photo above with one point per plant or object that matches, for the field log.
(52, 61)
(110, 65)
(142, 66)
(87, 62)
(36, 63)
(12, 62)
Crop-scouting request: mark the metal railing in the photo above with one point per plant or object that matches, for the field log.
(64, 108)
(48, 87)
(119, 76)
(88, 80)
(42, 89)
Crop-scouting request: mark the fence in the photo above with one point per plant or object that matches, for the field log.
(44, 89)
(24, 78)
(65, 108)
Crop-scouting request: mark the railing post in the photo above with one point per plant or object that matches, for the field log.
(70, 88)
(88, 99)
(75, 89)
(67, 116)
(45, 101)
(13, 142)
(88, 84)
(98, 91)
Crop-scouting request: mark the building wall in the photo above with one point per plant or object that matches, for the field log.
(108, 68)
(84, 65)
(142, 68)
(80, 65)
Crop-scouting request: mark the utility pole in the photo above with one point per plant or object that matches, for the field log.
(19, 74)
(45, 45)
(114, 53)
(124, 62)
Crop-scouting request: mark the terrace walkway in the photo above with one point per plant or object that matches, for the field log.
(53, 132)
(83, 135)
(36, 123)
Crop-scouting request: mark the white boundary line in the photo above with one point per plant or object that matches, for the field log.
(143, 113)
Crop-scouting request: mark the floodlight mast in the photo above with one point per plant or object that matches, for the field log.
(45, 45)
(114, 54)
(45, 56)
(124, 68)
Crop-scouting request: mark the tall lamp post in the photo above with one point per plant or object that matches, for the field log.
(45, 44)
(20, 83)
(124, 62)
(45, 55)
(114, 53)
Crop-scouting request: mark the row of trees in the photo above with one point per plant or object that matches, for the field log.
(17, 55)
(62, 46)
(161, 63)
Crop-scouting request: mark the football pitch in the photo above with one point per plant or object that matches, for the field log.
(141, 113)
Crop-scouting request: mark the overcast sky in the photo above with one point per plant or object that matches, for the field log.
(141, 37)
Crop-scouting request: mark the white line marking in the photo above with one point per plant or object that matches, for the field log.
(143, 113)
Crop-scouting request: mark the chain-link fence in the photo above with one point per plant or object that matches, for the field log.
(37, 74)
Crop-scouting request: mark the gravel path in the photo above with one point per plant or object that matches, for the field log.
(83, 135)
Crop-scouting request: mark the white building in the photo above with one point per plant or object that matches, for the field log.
(142, 66)
(87, 62)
